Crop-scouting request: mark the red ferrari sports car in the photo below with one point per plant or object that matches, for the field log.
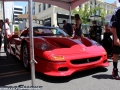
(57, 53)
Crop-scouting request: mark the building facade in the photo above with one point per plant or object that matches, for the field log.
(106, 6)
(11, 12)
(8, 10)
(17, 10)
(51, 14)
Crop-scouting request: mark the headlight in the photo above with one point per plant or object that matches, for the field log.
(57, 58)
(104, 52)
(42, 45)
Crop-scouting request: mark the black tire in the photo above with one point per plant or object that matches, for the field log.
(25, 56)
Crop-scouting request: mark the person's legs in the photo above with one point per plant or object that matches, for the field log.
(0, 43)
(116, 52)
(5, 44)
(8, 46)
(1, 58)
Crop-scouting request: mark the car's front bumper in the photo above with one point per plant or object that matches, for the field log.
(61, 68)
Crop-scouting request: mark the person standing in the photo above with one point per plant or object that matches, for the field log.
(78, 30)
(115, 28)
(67, 28)
(92, 30)
(95, 32)
(6, 35)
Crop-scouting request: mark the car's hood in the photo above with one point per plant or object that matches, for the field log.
(63, 42)
(66, 45)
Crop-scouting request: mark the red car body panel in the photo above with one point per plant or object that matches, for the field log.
(79, 54)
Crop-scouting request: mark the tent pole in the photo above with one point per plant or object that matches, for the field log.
(31, 43)
(5, 37)
(70, 13)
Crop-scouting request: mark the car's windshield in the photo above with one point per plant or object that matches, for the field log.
(38, 31)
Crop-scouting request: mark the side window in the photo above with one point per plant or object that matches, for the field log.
(24, 33)
(47, 31)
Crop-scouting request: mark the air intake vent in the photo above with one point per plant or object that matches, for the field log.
(85, 60)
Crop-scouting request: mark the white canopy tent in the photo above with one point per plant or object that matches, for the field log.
(66, 4)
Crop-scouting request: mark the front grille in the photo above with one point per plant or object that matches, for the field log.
(85, 60)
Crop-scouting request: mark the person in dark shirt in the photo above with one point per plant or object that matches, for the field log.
(67, 28)
(95, 32)
(115, 28)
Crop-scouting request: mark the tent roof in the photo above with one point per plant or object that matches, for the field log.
(60, 3)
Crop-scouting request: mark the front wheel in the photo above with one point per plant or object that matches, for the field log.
(25, 56)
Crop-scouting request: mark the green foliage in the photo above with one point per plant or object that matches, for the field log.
(16, 28)
(110, 12)
(86, 12)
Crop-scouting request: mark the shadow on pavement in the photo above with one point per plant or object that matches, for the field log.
(12, 71)
(68, 78)
(102, 76)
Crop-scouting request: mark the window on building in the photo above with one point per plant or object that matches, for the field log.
(25, 10)
(39, 7)
(108, 12)
(17, 12)
(20, 9)
(95, 2)
(90, 7)
(33, 4)
(49, 5)
(90, 2)
(79, 6)
(15, 16)
(43, 6)
(34, 11)
(98, 5)
(98, 12)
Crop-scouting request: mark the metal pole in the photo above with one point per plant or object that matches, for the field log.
(31, 43)
(5, 37)
(70, 13)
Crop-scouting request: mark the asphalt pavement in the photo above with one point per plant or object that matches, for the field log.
(12, 73)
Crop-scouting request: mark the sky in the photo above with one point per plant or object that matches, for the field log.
(23, 4)
(109, 1)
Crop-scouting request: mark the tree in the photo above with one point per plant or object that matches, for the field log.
(109, 12)
(103, 14)
(84, 13)
(16, 30)
(101, 11)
